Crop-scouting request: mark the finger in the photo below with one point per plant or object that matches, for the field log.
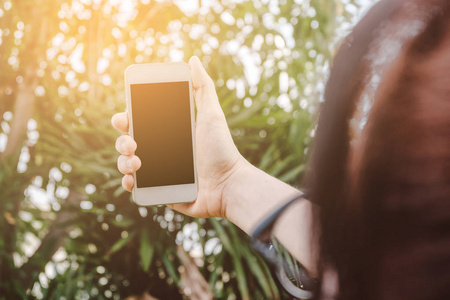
(204, 91)
(126, 145)
(128, 182)
(120, 121)
(128, 164)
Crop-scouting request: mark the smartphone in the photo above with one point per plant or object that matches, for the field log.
(161, 117)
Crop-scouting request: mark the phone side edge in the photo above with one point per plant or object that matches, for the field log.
(193, 131)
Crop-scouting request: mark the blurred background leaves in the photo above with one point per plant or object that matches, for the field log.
(68, 229)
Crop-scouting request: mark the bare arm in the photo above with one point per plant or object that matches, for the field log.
(253, 194)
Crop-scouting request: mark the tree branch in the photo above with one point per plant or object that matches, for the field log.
(192, 279)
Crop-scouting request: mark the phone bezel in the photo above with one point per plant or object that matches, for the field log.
(158, 73)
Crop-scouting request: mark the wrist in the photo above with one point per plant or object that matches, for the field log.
(250, 194)
(233, 185)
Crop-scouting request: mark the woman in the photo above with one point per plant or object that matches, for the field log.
(383, 228)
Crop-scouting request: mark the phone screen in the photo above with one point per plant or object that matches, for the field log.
(162, 131)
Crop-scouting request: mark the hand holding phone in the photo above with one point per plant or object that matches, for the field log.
(160, 108)
(216, 156)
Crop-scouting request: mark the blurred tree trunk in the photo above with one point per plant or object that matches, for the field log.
(192, 280)
(25, 97)
(23, 110)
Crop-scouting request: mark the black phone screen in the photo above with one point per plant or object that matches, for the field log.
(162, 130)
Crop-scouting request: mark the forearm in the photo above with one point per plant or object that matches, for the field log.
(253, 194)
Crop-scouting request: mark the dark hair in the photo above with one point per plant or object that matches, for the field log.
(385, 200)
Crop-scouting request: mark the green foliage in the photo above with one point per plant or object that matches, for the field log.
(146, 251)
(62, 79)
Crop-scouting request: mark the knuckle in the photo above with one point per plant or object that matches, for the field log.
(124, 184)
(138, 160)
(121, 164)
(127, 182)
(118, 144)
(130, 146)
(125, 145)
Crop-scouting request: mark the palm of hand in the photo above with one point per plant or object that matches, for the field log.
(216, 157)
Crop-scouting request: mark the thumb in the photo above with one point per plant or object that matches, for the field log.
(204, 91)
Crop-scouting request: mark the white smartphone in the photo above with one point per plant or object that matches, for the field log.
(161, 115)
